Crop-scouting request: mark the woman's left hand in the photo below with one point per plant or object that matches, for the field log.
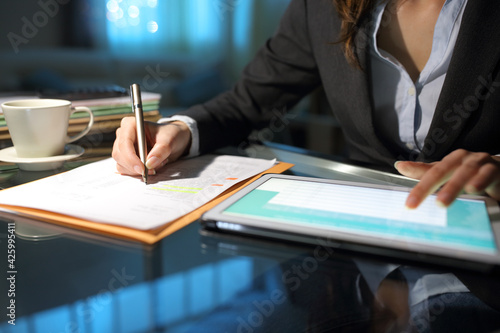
(461, 170)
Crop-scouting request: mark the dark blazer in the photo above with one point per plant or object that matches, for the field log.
(303, 55)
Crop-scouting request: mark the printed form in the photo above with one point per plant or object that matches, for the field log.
(96, 192)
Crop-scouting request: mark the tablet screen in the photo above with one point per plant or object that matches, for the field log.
(464, 225)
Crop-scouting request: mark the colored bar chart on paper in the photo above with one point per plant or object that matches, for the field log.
(95, 192)
(182, 189)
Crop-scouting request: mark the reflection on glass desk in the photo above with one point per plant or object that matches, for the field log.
(198, 281)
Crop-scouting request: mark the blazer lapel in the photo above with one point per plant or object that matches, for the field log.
(475, 56)
(362, 106)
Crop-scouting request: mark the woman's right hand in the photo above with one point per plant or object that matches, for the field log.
(169, 141)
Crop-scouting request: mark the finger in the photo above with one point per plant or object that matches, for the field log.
(124, 170)
(124, 151)
(171, 142)
(124, 165)
(486, 178)
(461, 177)
(422, 190)
(437, 175)
(162, 137)
(413, 170)
(182, 141)
(494, 190)
(158, 156)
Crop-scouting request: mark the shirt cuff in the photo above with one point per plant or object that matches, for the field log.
(194, 150)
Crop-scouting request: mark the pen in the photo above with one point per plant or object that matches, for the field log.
(135, 94)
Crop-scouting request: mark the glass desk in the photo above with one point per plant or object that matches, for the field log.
(197, 281)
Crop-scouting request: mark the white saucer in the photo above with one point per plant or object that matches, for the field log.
(40, 163)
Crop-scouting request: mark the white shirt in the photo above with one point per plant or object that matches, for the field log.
(403, 110)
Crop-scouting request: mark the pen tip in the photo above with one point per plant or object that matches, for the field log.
(145, 174)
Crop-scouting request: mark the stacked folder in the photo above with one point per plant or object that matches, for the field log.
(108, 113)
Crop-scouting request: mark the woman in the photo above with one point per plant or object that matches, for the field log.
(410, 81)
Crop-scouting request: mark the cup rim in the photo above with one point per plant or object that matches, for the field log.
(35, 103)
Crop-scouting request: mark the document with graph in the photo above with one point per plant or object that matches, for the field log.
(96, 192)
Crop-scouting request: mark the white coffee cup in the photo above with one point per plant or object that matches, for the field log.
(39, 127)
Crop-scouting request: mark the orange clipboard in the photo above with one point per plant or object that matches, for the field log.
(144, 236)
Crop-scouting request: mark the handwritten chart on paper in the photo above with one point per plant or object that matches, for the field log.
(96, 192)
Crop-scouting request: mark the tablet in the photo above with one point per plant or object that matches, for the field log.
(362, 217)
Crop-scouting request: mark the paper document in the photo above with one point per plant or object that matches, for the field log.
(96, 192)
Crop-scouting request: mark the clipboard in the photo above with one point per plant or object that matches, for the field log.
(144, 236)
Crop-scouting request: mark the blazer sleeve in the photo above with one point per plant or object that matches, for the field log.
(282, 72)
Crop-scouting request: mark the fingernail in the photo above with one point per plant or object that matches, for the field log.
(443, 199)
(440, 204)
(471, 189)
(396, 164)
(138, 169)
(153, 162)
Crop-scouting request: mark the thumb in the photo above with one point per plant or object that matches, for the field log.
(158, 156)
(160, 150)
(413, 170)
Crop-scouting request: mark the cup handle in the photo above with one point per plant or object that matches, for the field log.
(86, 129)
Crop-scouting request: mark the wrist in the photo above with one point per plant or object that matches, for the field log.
(190, 123)
(185, 131)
